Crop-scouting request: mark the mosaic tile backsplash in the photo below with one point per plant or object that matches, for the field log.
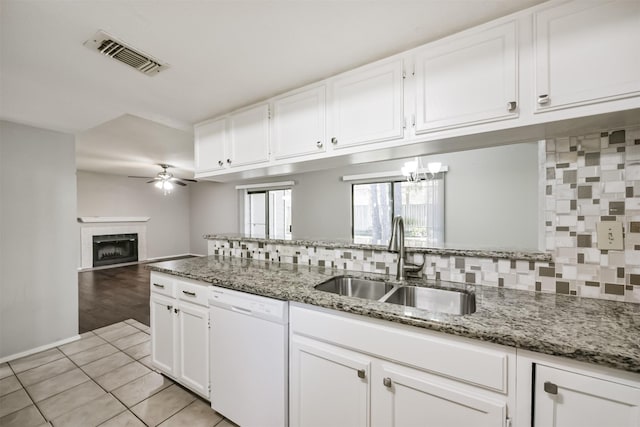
(589, 179)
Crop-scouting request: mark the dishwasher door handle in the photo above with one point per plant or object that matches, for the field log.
(240, 309)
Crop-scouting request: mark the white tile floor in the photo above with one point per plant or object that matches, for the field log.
(103, 379)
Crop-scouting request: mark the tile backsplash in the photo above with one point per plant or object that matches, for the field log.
(589, 179)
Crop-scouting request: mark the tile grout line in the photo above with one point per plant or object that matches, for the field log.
(65, 356)
(27, 392)
(126, 407)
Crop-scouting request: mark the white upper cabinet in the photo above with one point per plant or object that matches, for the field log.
(299, 123)
(466, 80)
(568, 399)
(249, 136)
(586, 52)
(560, 60)
(210, 145)
(366, 105)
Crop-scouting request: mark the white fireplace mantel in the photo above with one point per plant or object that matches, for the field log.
(93, 219)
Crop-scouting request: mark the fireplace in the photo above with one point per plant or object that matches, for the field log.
(115, 249)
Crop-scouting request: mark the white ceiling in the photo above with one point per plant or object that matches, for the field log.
(223, 54)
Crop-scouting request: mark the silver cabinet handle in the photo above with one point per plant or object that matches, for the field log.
(220, 163)
(175, 310)
(511, 105)
(361, 373)
(158, 286)
(191, 294)
(543, 99)
(169, 307)
(386, 382)
(550, 388)
(319, 144)
(334, 140)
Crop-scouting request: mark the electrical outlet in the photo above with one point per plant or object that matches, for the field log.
(610, 235)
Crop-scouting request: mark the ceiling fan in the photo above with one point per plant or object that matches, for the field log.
(165, 179)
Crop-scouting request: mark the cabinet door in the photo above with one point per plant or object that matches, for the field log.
(209, 146)
(367, 105)
(163, 334)
(249, 136)
(567, 399)
(193, 325)
(404, 397)
(329, 386)
(299, 124)
(586, 52)
(466, 80)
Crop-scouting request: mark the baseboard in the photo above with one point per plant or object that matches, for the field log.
(39, 349)
(145, 261)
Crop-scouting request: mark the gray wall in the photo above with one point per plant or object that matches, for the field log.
(38, 238)
(491, 198)
(113, 195)
(213, 209)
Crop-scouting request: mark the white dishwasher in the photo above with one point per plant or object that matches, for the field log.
(249, 358)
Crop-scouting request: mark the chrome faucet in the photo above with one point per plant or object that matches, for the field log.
(396, 244)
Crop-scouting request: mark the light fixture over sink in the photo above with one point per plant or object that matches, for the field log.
(414, 171)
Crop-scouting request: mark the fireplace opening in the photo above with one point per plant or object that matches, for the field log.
(115, 249)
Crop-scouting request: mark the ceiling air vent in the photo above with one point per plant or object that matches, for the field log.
(118, 50)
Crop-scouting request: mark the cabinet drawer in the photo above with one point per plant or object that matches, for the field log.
(162, 284)
(191, 292)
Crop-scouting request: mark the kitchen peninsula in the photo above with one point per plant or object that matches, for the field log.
(590, 330)
(548, 341)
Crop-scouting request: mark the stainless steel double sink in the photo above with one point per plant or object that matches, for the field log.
(449, 301)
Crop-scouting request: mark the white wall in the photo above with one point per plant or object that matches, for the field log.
(113, 195)
(38, 238)
(213, 209)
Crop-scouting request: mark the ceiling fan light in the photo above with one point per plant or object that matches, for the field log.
(166, 185)
(158, 184)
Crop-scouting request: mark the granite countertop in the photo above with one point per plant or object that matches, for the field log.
(596, 331)
(516, 254)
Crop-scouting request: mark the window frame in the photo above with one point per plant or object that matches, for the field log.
(246, 209)
(392, 197)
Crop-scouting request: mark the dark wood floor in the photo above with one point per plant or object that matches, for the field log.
(112, 295)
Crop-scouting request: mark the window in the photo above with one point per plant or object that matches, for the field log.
(421, 204)
(267, 214)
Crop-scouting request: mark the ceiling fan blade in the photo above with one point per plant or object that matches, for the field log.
(179, 183)
(153, 180)
(176, 179)
(145, 177)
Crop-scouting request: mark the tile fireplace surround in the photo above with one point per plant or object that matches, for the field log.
(96, 226)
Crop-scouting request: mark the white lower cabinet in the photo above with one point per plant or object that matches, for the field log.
(408, 397)
(193, 332)
(568, 399)
(329, 385)
(163, 334)
(180, 332)
(348, 371)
